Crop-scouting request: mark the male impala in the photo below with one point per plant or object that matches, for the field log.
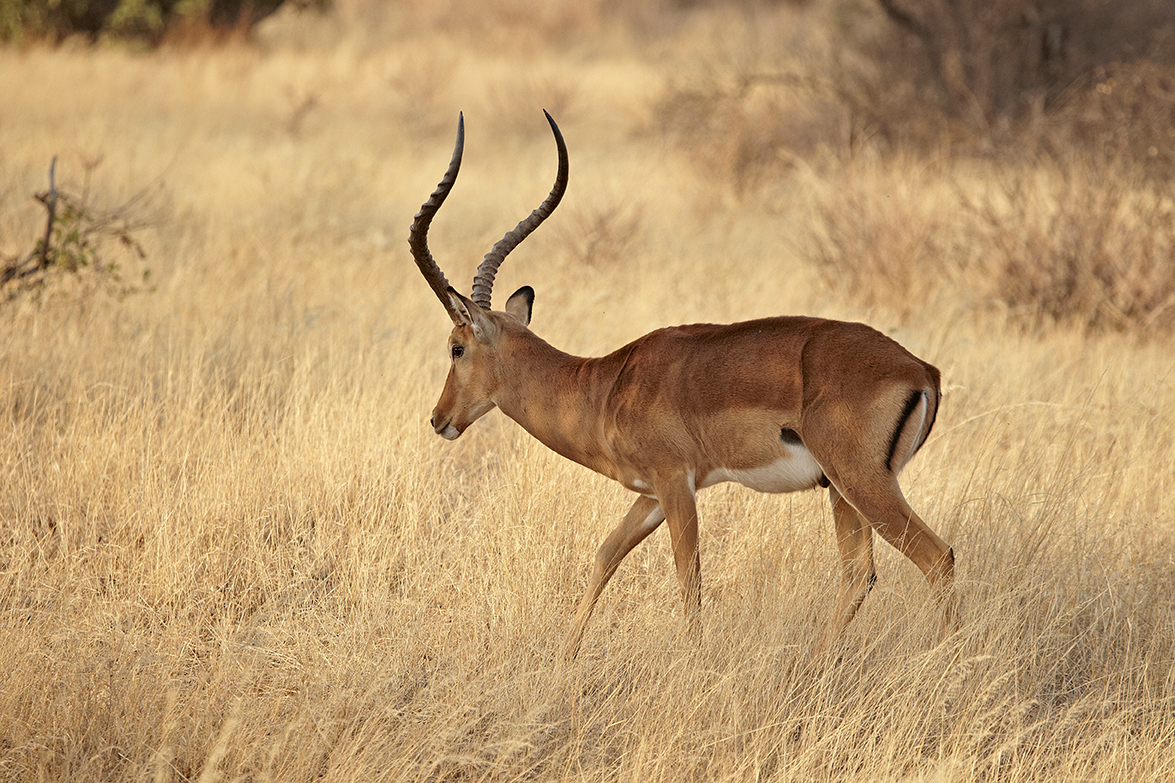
(777, 404)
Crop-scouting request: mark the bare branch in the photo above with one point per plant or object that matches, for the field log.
(50, 202)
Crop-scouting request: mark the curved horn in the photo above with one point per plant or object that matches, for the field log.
(418, 235)
(483, 283)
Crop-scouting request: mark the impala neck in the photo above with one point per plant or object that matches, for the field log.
(556, 397)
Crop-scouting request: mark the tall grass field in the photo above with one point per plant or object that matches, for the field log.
(233, 549)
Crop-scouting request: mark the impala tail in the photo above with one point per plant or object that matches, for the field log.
(913, 427)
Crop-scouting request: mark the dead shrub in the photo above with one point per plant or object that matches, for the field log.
(1084, 245)
(1090, 247)
(749, 106)
(879, 251)
(602, 236)
(982, 73)
(752, 126)
(1125, 113)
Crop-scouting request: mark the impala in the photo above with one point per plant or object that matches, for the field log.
(776, 404)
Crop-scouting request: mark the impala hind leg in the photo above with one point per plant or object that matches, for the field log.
(854, 539)
(642, 519)
(881, 502)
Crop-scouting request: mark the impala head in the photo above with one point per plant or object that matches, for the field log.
(478, 331)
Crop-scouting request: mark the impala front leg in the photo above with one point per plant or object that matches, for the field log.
(681, 512)
(641, 520)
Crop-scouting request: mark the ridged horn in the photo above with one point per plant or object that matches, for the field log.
(418, 234)
(483, 282)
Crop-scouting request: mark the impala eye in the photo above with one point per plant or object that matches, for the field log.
(458, 351)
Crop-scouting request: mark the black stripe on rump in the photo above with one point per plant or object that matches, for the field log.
(911, 404)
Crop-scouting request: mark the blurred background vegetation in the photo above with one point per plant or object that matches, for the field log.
(981, 74)
(151, 21)
(1082, 92)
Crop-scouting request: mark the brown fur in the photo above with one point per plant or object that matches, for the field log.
(663, 413)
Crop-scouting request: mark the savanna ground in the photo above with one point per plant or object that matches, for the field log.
(231, 547)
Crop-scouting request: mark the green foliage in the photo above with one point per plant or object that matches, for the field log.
(146, 20)
(70, 246)
(136, 17)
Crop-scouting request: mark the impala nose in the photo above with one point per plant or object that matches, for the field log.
(446, 430)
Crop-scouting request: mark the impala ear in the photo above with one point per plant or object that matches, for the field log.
(459, 312)
(466, 313)
(520, 304)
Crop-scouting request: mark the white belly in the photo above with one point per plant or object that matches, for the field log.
(792, 473)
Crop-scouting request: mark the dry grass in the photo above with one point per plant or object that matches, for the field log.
(232, 549)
